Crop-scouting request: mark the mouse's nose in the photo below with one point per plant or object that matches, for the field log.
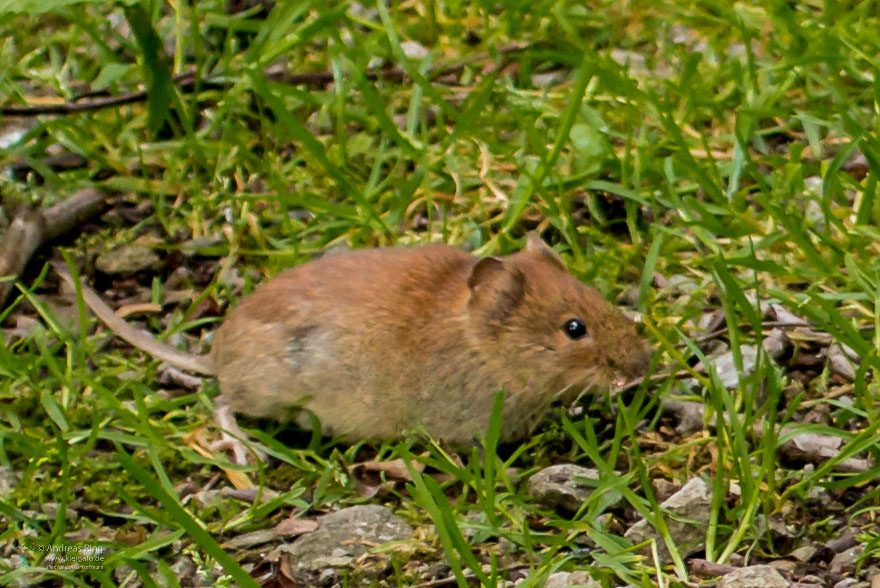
(633, 362)
(638, 360)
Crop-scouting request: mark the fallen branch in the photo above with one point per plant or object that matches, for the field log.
(21, 168)
(188, 83)
(746, 327)
(656, 379)
(452, 580)
(802, 448)
(29, 231)
(709, 569)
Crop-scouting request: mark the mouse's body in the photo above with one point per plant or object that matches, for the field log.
(379, 342)
(375, 339)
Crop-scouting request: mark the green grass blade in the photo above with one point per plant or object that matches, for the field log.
(182, 518)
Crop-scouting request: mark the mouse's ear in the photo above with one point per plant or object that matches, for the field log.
(484, 271)
(537, 246)
(493, 279)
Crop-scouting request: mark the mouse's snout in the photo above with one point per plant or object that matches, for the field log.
(633, 362)
(637, 361)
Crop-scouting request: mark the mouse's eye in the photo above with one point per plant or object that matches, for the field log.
(575, 329)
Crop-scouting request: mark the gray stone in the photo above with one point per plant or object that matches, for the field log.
(762, 306)
(123, 573)
(562, 486)
(784, 565)
(183, 567)
(571, 580)
(840, 363)
(844, 562)
(775, 525)
(414, 50)
(775, 343)
(812, 209)
(690, 414)
(130, 258)
(8, 481)
(51, 510)
(677, 285)
(343, 536)
(545, 79)
(753, 577)
(327, 577)
(783, 315)
(690, 508)
(803, 553)
(725, 367)
(251, 539)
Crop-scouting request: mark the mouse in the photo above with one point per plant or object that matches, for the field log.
(377, 343)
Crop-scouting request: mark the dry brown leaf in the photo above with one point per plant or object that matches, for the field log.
(393, 469)
(291, 527)
(840, 363)
(129, 310)
(816, 449)
(237, 478)
(250, 494)
(250, 539)
(814, 444)
(368, 475)
(131, 537)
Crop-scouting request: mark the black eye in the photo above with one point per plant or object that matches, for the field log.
(575, 329)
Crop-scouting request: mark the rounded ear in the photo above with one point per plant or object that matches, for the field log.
(483, 271)
(496, 286)
(535, 245)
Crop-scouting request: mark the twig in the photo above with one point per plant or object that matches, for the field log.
(448, 581)
(704, 568)
(29, 231)
(188, 83)
(57, 163)
(655, 379)
(451, 580)
(746, 326)
(680, 375)
(77, 209)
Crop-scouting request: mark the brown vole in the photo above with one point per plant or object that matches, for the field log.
(377, 342)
